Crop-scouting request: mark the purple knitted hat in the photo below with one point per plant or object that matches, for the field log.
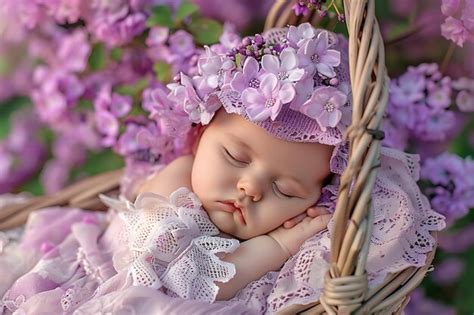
(293, 82)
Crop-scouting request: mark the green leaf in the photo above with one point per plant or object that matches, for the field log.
(185, 9)
(161, 15)
(116, 53)
(238, 61)
(132, 89)
(206, 31)
(162, 71)
(97, 57)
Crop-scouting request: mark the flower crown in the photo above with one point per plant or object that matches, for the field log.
(269, 73)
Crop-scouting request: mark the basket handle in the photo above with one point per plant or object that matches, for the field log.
(353, 218)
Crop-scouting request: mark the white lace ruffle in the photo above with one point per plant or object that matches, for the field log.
(172, 237)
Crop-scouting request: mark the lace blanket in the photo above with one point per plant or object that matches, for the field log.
(73, 261)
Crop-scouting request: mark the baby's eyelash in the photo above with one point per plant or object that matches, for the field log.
(232, 157)
(278, 191)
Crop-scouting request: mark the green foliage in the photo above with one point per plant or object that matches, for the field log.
(6, 110)
(97, 58)
(133, 89)
(205, 31)
(161, 15)
(185, 9)
(162, 71)
(116, 53)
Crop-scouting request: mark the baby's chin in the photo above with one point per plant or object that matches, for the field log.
(226, 224)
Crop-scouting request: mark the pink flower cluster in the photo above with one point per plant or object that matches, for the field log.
(459, 24)
(269, 80)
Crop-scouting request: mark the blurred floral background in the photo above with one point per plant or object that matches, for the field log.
(82, 86)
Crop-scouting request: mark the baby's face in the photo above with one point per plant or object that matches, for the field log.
(271, 180)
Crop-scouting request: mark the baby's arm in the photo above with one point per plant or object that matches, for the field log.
(259, 255)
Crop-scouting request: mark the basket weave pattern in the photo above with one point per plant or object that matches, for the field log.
(346, 285)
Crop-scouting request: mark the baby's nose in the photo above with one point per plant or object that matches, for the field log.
(251, 188)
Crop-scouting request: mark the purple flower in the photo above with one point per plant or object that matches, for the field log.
(448, 271)
(230, 38)
(201, 109)
(420, 304)
(266, 101)
(73, 52)
(108, 125)
(316, 55)
(69, 151)
(433, 125)
(454, 30)
(215, 69)
(465, 101)
(182, 43)
(439, 98)
(324, 106)
(299, 35)
(450, 7)
(465, 97)
(248, 77)
(157, 36)
(120, 32)
(54, 176)
(285, 67)
(304, 91)
(467, 16)
(408, 88)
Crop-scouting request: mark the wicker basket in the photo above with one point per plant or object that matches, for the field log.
(346, 285)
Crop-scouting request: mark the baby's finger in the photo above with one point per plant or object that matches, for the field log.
(316, 211)
(294, 221)
(320, 223)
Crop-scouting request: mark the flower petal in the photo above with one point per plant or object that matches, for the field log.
(331, 57)
(251, 96)
(239, 82)
(271, 64)
(251, 67)
(268, 84)
(256, 113)
(287, 93)
(289, 60)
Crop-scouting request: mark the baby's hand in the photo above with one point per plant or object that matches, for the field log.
(311, 212)
(291, 239)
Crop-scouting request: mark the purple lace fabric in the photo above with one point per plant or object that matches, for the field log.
(73, 261)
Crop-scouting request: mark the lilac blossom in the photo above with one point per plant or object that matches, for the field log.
(266, 101)
(299, 35)
(182, 44)
(73, 52)
(324, 106)
(448, 271)
(198, 103)
(215, 69)
(465, 96)
(317, 57)
(408, 88)
(459, 23)
(248, 77)
(158, 35)
(451, 191)
(54, 176)
(420, 304)
(304, 91)
(285, 67)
